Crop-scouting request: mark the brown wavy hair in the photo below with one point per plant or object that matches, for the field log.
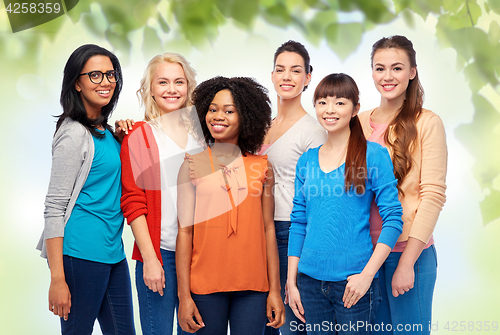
(341, 85)
(403, 127)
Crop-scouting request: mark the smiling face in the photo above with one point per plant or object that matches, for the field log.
(289, 76)
(222, 118)
(391, 73)
(334, 114)
(95, 96)
(169, 87)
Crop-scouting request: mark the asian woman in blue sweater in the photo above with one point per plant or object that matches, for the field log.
(332, 266)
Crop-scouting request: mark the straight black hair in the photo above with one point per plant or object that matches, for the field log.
(71, 100)
(341, 85)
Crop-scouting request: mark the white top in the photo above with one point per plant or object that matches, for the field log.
(171, 159)
(284, 153)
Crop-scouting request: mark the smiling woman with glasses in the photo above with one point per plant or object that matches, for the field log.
(83, 220)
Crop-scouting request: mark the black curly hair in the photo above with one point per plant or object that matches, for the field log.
(252, 104)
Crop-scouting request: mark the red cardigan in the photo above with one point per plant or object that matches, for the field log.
(141, 182)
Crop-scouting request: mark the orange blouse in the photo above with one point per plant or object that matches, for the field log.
(229, 243)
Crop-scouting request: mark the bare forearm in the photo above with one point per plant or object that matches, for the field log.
(59, 294)
(411, 252)
(183, 253)
(377, 259)
(273, 264)
(142, 238)
(293, 268)
(55, 257)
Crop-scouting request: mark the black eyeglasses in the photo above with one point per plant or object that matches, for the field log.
(97, 76)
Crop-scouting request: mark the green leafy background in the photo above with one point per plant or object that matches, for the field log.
(458, 53)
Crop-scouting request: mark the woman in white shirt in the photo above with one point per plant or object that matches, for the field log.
(292, 132)
(152, 154)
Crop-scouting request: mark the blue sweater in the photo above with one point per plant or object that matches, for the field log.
(330, 231)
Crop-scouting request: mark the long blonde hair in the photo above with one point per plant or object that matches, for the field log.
(151, 110)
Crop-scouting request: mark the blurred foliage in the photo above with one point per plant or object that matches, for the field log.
(197, 22)
(482, 139)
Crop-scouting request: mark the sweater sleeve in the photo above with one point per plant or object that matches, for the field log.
(432, 178)
(133, 200)
(67, 161)
(384, 185)
(298, 216)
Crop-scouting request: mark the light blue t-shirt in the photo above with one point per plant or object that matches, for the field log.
(330, 231)
(94, 229)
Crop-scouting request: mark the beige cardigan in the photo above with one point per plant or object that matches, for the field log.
(425, 184)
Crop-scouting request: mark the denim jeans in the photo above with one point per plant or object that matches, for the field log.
(98, 291)
(157, 312)
(245, 311)
(411, 312)
(282, 228)
(324, 310)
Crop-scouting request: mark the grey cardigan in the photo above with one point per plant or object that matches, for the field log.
(72, 155)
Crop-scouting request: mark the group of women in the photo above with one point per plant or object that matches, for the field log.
(235, 213)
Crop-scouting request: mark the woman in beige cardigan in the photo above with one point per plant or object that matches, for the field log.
(416, 140)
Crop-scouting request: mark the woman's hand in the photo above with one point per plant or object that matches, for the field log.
(274, 304)
(189, 317)
(404, 277)
(356, 288)
(59, 298)
(122, 127)
(402, 280)
(294, 302)
(154, 275)
(286, 294)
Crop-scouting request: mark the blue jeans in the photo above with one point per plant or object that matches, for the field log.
(282, 228)
(411, 312)
(324, 310)
(245, 311)
(98, 291)
(157, 312)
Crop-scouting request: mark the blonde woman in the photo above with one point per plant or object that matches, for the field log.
(151, 156)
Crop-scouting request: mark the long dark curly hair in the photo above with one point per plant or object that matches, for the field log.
(252, 104)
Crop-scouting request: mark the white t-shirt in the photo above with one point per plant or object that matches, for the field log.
(171, 158)
(284, 153)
